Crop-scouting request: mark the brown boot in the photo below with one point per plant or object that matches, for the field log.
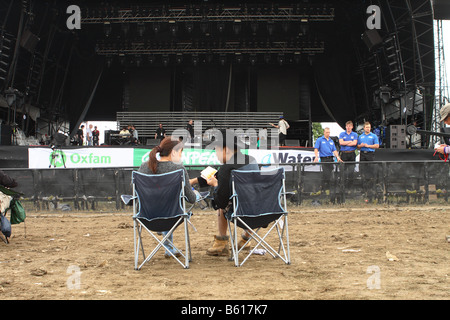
(242, 242)
(220, 246)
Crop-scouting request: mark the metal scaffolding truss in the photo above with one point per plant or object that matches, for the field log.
(442, 95)
(228, 47)
(210, 13)
(404, 61)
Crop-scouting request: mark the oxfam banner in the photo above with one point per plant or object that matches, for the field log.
(41, 158)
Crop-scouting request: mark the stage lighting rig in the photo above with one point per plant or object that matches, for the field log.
(199, 12)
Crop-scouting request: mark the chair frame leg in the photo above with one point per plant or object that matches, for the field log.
(160, 244)
(285, 257)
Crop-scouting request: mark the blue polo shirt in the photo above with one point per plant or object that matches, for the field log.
(325, 147)
(352, 136)
(370, 139)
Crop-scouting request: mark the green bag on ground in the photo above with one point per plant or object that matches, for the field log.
(17, 212)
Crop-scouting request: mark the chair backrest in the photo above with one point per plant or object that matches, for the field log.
(258, 192)
(160, 195)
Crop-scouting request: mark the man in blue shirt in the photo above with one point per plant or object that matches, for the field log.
(367, 143)
(325, 150)
(348, 141)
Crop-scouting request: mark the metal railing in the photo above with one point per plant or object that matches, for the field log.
(375, 182)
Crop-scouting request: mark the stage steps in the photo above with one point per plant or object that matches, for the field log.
(147, 122)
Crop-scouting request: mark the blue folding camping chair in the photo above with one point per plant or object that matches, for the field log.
(159, 207)
(259, 199)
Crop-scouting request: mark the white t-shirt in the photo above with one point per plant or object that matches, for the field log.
(283, 126)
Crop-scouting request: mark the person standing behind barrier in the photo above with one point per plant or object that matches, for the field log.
(325, 149)
(348, 140)
(368, 143)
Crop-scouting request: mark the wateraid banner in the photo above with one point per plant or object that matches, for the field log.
(41, 158)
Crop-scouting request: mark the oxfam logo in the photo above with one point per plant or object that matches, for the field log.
(57, 159)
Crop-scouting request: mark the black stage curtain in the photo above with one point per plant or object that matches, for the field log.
(332, 78)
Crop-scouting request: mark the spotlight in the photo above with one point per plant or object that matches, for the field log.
(122, 59)
(195, 59)
(270, 27)
(281, 58)
(385, 94)
(138, 61)
(237, 26)
(267, 58)
(125, 28)
(10, 96)
(151, 59)
(156, 27)
(204, 26)
(107, 28)
(239, 57)
(221, 26)
(189, 26)
(173, 27)
(253, 59)
(165, 60)
(141, 29)
(109, 61)
(179, 58)
(254, 25)
(222, 59)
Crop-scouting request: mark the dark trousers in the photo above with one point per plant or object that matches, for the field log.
(368, 173)
(282, 138)
(348, 168)
(327, 171)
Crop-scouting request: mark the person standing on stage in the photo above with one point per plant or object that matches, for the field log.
(95, 136)
(190, 129)
(79, 136)
(325, 149)
(160, 132)
(348, 140)
(368, 143)
(89, 135)
(282, 127)
(135, 135)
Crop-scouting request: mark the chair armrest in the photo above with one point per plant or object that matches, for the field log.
(128, 199)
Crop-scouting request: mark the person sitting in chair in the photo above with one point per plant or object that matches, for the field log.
(227, 152)
(169, 160)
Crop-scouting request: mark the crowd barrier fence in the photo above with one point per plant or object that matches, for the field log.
(374, 182)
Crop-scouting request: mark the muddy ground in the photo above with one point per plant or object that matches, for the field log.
(354, 253)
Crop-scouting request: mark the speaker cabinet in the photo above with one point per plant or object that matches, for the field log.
(6, 135)
(372, 39)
